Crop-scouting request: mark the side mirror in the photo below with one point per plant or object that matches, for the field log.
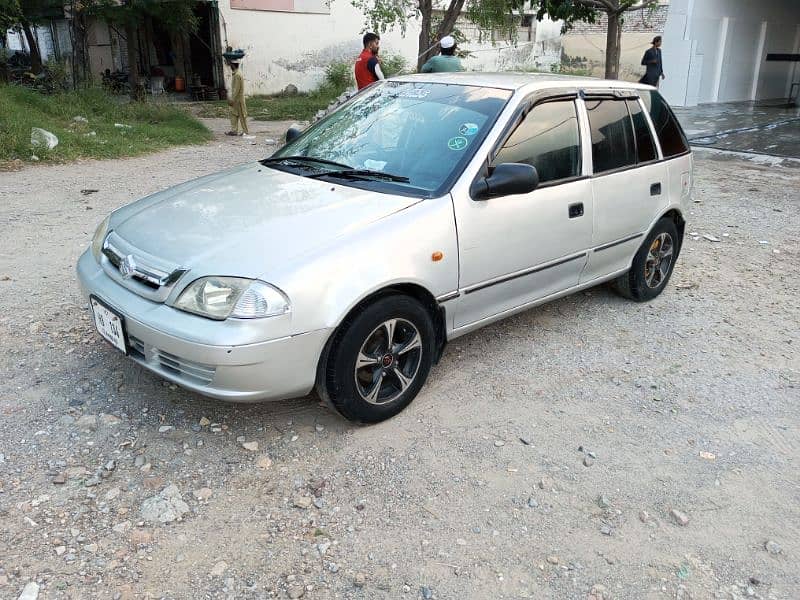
(292, 134)
(506, 179)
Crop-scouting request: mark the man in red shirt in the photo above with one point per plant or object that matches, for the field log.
(368, 68)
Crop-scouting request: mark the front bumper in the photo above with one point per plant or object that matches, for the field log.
(270, 370)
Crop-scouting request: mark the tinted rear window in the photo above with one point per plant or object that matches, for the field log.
(669, 132)
(612, 135)
(645, 147)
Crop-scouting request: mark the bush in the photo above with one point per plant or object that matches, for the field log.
(338, 77)
(392, 65)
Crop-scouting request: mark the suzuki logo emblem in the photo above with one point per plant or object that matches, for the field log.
(128, 267)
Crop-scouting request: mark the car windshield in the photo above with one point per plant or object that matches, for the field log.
(402, 137)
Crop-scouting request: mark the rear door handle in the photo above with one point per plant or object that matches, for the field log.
(655, 189)
(576, 210)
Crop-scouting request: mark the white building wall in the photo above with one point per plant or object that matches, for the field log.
(295, 48)
(720, 47)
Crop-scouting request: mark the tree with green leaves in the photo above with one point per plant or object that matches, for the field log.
(384, 15)
(589, 11)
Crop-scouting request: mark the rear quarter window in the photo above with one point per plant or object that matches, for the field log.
(670, 134)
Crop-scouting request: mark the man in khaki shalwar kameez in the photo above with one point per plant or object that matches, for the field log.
(236, 101)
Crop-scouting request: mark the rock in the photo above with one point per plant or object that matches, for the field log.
(499, 443)
(139, 461)
(553, 560)
(270, 142)
(319, 503)
(427, 593)
(111, 494)
(679, 517)
(708, 455)
(110, 465)
(644, 516)
(60, 550)
(588, 461)
(141, 537)
(59, 479)
(598, 592)
(42, 137)
(302, 502)
(406, 588)
(545, 483)
(90, 548)
(196, 427)
(79, 119)
(461, 541)
(264, 462)
(167, 507)
(532, 503)
(30, 591)
(603, 501)
(165, 428)
(153, 483)
(109, 420)
(251, 446)
(773, 547)
(322, 548)
(606, 529)
(122, 126)
(203, 493)
(291, 90)
(146, 468)
(219, 569)
(295, 591)
(711, 238)
(319, 428)
(204, 422)
(93, 481)
(87, 423)
(122, 527)
(360, 580)
(333, 567)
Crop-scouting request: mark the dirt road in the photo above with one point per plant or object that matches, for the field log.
(592, 448)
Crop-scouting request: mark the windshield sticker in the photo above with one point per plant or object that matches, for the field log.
(468, 129)
(457, 143)
(409, 92)
(374, 165)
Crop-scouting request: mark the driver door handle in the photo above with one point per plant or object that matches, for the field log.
(576, 210)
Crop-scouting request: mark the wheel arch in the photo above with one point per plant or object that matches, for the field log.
(413, 290)
(676, 217)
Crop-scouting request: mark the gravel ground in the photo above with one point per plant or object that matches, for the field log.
(592, 448)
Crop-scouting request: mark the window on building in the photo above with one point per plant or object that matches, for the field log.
(645, 146)
(547, 139)
(669, 132)
(612, 135)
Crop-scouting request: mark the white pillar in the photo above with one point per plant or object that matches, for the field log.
(723, 38)
(762, 39)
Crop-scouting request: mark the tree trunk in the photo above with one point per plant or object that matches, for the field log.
(613, 43)
(426, 13)
(427, 42)
(132, 41)
(33, 45)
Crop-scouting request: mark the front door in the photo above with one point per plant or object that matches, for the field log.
(517, 249)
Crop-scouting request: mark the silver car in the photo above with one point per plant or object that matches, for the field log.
(424, 208)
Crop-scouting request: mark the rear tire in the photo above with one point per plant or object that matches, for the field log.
(653, 264)
(379, 360)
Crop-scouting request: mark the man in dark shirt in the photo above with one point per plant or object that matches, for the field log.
(368, 68)
(652, 61)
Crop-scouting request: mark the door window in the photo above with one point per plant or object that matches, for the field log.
(645, 147)
(612, 135)
(669, 132)
(547, 139)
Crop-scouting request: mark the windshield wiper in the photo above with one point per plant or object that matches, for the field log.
(302, 161)
(365, 174)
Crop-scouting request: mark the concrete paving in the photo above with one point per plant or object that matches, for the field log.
(764, 127)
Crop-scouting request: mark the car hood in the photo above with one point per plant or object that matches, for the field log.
(240, 221)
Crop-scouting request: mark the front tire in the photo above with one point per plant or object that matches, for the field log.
(653, 264)
(379, 359)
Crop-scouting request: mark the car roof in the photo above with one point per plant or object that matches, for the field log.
(516, 81)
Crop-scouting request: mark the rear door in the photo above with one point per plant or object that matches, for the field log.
(629, 184)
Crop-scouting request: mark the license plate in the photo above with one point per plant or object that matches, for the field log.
(110, 324)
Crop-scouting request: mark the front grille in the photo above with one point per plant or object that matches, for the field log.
(180, 367)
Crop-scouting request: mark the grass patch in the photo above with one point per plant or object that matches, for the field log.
(280, 107)
(147, 126)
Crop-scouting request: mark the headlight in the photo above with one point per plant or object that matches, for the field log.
(99, 238)
(223, 297)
